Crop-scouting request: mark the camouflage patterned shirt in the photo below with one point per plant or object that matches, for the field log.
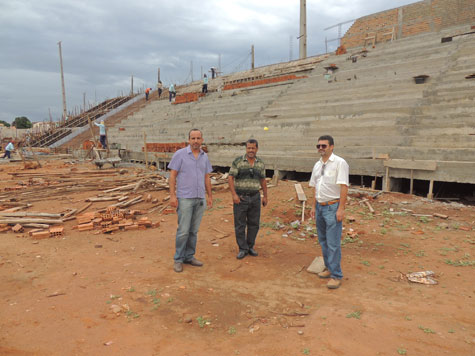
(247, 178)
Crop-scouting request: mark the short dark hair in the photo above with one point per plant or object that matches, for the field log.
(327, 138)
(189, 133)
(252, 140)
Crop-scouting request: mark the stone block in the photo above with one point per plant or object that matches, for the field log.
(317, 265)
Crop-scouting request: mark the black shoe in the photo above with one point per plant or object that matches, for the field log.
(253, 252)
(241, 255)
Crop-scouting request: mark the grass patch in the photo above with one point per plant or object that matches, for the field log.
(426, 330)
(232, 330)
(202, 321)
(355, 314)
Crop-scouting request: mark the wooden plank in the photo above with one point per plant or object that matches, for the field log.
(409, 164)
(430, 195)
(145, 149)
(300, 193)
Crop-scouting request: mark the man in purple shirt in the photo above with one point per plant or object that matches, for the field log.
(189, 178)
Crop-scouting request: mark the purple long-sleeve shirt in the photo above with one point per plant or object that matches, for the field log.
(190, 180)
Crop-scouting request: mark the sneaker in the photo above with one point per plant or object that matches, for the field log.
(325, 274)
(178, 267)
(194, 262)
(333, 283)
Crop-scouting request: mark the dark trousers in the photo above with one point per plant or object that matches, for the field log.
(102, 139)
(205, 88)
(247, 214)
(159, 92)
(146, 96)
(7, 154)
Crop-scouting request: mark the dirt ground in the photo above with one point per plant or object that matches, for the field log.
(89, 293)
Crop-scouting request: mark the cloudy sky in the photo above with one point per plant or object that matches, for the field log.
(105, 42)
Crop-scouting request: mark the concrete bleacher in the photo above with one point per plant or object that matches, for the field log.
(373, 109)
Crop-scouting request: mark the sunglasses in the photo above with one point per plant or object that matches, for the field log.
(322, 146)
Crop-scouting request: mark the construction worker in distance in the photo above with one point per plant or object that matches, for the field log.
(8, 149)
(204, 90)
(102, 133)
(147, 91)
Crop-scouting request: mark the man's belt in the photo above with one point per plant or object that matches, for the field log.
(248, 194)
(331, 202)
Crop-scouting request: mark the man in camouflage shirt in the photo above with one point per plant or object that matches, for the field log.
(246, 176)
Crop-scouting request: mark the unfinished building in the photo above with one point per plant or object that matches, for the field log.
(399, 103)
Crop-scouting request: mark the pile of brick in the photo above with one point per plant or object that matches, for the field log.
(282, 78)
(186, 98)
(112, 220)
(44, 233)
(39, 234)
(165, 147)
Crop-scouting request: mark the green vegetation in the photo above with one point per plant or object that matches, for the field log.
(202, 321)
(22, 122)
(355, 314)
(426, 330)
(232, 330)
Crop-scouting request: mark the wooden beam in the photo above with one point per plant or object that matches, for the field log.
(430, 195)
(300, 193)
(387, 186)
(145, 149)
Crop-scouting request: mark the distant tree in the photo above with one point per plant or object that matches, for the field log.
(4, 123)
(22, 122)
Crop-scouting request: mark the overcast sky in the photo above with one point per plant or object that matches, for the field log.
(104, 42)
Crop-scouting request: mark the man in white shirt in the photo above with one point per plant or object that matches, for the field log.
(8, 149)
(330, 177)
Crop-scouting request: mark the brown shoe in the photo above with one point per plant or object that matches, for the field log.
(325, 274)
(194, 262)
(178, 267)
(333, 283)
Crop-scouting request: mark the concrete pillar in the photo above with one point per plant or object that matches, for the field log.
(278, 175)
(399, 23)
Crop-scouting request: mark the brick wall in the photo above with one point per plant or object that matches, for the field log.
(420, 17)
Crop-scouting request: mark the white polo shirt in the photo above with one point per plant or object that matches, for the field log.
(327, 185)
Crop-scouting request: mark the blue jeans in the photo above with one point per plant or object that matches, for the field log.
(7, 154)
(329, 236)
(190, 212)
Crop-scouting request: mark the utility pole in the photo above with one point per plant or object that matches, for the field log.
(62, 81)
(158, 79)
(132, 85)
(191, 70)
(84, 101)
(252, 57)
(303, 30)
(291, 45)
(219, 65)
